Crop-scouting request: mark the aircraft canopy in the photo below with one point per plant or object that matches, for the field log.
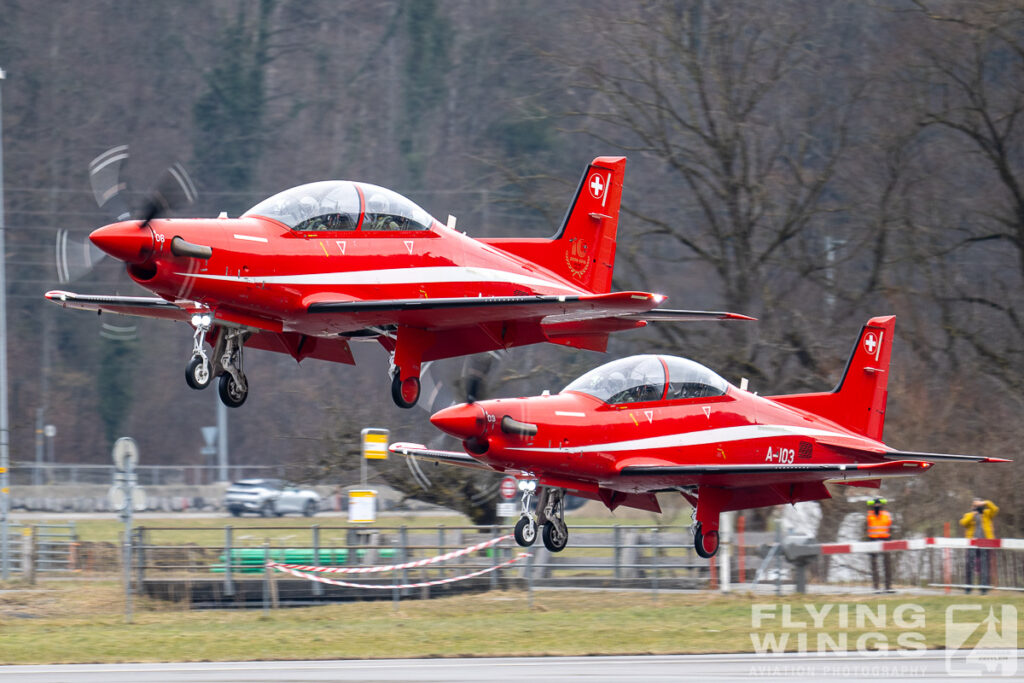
(643, 378)
(342, 205)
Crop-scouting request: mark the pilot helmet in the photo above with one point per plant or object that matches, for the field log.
(307, 206)
(377, 203)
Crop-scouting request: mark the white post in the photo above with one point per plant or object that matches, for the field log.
(727, 525)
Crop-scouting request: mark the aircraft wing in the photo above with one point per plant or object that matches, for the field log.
(550, 309)
(851, 447)
(670, 475)
(141, 306)
(942, 457)
(416, 450)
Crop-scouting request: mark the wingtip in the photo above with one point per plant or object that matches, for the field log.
(402, 447)
(737, 316)
(996, 460)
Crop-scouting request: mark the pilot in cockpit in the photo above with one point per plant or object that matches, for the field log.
(378, 214)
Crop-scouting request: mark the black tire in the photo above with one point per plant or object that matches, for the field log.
(525, 532)
(309, 509)
(402, 392)
(231, 394)
(706, 544)
(235, 512)
(553, 540)
(268, 509)
(198, 374)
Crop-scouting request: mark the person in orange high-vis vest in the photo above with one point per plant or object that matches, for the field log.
(879, 528)
(978, 524)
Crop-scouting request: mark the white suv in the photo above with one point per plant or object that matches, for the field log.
(270, 497)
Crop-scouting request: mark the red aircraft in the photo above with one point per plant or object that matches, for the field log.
(649, 424)
(317, 266)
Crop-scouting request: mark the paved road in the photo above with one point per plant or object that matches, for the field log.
(929, 666)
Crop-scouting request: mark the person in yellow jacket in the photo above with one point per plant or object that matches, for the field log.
(978, 524)
(879, 528)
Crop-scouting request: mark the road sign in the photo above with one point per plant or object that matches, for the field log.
(362, 506)
(509, 488)
(375, 443)
(508, 510)
(125, 454)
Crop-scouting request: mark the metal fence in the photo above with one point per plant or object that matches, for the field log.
(43, 548)
(221, 564)
(48, 474)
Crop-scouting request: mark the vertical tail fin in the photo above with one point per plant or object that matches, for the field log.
(858, 401)
(583, 249)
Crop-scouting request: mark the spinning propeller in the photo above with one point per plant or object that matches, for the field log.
(77, 255)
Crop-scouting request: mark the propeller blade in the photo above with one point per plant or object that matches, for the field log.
(107, 186)
(75, 256)
(174, 190)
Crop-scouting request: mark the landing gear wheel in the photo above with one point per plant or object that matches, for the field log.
(197, 373)
(525, 532)
(231, 392)
(706, 544)
(555, 539)
(405, 392)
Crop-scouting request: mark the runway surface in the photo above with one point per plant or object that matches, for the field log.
(928, 666)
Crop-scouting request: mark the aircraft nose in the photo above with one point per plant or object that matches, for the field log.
(125, 241)
(462, 421)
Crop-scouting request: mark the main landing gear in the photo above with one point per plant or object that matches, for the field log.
(705, 542)
(550, 519)
(232, 386)
(404, 392)
(705, 523)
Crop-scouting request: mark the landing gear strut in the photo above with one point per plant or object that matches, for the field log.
(233, 387)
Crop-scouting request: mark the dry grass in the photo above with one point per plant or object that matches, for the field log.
(84, 622)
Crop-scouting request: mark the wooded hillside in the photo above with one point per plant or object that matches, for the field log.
(811, 164)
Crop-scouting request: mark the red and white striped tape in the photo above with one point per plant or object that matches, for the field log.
(437, 582)
(920, 544)
(393, 567)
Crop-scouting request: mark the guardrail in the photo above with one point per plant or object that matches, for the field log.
(934, 562)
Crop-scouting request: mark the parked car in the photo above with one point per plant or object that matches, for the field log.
(269, 497)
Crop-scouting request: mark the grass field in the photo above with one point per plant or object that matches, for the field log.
(82, 619)
(67, 622)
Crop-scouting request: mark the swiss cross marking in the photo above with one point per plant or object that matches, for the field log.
(870, 342)
(596, 186)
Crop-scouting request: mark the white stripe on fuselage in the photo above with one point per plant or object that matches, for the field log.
(397, 276)
(701, 438)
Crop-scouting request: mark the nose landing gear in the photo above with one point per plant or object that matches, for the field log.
(550, 519)
(232, 387)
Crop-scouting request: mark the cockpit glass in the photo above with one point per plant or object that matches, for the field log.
(628, 380)
(687, 379)
(326, 205)
(336, 205)
(388, 210)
